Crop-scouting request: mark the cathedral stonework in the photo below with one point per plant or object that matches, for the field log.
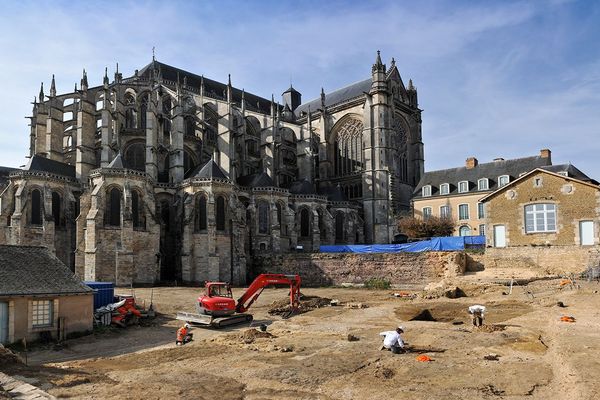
(170, 176)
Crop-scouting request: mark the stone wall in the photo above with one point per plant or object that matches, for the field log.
(322, 269)
(546, 259)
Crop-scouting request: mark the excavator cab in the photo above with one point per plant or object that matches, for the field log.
(217, 300)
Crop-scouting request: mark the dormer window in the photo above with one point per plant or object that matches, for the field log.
(483, 184)
(564, 173)
(503, 180)
(444, 188)
(426, 191)
(463, 186)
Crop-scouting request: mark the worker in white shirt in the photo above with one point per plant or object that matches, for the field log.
(393, 341)
(477, 311)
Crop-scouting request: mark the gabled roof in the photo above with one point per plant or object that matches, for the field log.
(32, 270)
(571, 171)
(492, 170)
(334, 193)
(302, 187)
(256, 180)
(117, 162)
(210, 86)
(39, 163)
(208, 170)
(527, 175)
(346, 93)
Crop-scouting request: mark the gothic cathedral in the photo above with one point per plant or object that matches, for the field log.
(167, 175)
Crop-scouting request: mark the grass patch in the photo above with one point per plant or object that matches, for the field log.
(378, 283)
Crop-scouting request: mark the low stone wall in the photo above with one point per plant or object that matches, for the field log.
(324, 269)
(546, 259)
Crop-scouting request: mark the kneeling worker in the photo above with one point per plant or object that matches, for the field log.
(393, 341)
(183, 335)
(477, 312)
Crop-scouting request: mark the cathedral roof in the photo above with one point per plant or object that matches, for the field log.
(338, 96)
(256, 180)
(208, 170)
(302, 187)
(117, 162)
(169, 72)
(334, 193)
(39, 163)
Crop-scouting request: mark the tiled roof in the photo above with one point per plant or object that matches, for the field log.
(256, 180)
(208, 170)
(492, 170)
(31, 270)
(571, 170)
(39, 163)
(346, 93)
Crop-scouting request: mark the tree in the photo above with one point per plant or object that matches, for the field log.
(416, 228)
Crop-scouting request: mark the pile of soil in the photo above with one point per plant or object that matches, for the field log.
(307, 303)
(7, 357)
(250, 335)
(490, 328)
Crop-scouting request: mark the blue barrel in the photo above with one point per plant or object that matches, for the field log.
(104, 293)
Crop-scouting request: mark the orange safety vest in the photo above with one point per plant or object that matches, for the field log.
(181, 333)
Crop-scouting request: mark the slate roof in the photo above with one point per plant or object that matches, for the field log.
(208, 170)
(346, 93)
(492, 170)
(210, 86)
(334, 193)
(256, 180)
(4, 172)
(32, 270)
(39, 163)
(572, 171)
(302, 187)
(117, 162)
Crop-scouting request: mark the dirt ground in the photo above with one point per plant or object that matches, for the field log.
(530, 352)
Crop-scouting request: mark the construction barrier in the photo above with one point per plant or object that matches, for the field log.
(451, 243)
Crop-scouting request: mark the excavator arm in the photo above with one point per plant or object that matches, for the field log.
(264, 280)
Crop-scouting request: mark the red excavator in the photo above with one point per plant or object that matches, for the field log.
(216, 307)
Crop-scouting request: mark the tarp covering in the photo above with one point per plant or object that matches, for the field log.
(451, 243)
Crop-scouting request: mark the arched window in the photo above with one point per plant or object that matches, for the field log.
(321, 224)
(263, 217)
(304, 223)
(135, 157)
(280, 219)
(56, 209)
(464, 231)
(114, 207)
(188, 162)
(165, 215)
(190, 126)
(137, 210)
(201, 213)
(36, 207)
(348, 148)
(220, 213)
(211, 120)
(143, 111)
(339, 227)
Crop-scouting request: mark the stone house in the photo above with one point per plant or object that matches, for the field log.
(544, 208)
(40, 296)
(167, 175)
(456, 193)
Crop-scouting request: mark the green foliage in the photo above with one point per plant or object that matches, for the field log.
(378, 283)
(416, 228)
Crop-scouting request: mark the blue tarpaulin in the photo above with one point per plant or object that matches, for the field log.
(451, 243)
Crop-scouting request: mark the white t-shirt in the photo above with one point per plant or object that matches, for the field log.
(477, 309)
(392, 338)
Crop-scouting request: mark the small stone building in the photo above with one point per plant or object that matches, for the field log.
(40, 296)
(543, 208)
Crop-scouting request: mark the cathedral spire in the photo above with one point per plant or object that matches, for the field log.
(272, 105)
(53, 87)
(243, 105)
(393, 63)
(41, 95)
(229, 89)
(378, 66)
(75, 90)
(322, 99)
(410, 85)
(105, 80)
(84, 81)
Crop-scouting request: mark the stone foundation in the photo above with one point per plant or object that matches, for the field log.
(324, 269)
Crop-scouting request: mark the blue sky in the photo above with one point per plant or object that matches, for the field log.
(495, 79)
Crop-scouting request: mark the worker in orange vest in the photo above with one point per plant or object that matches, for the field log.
(183, 335)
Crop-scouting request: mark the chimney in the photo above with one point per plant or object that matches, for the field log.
(471, 162)
(546, 153)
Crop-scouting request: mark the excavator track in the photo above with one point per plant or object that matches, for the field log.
(219, 322)
(232, 320)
